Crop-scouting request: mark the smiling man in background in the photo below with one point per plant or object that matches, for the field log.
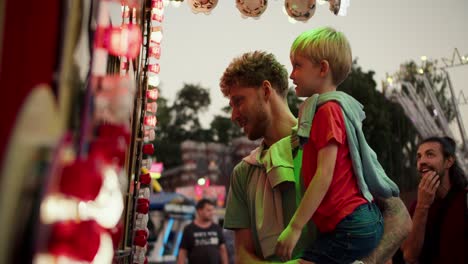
(439, 215)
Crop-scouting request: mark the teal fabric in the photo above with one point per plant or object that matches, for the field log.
(371, 177)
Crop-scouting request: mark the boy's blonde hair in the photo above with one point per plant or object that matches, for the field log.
(325, 43)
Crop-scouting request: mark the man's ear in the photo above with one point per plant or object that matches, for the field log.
(449, 162)
(266, 89)
(324, 68)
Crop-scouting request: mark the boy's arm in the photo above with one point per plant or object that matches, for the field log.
(313, 196)
(397, 226)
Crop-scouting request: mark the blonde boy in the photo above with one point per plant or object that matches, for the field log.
(340, 171)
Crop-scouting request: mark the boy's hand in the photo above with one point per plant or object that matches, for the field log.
(286, 242)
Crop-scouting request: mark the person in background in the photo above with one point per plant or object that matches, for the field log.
(439, 233)
(203, 241)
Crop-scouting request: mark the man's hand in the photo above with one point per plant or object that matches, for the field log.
(286, 242)
(427, 189)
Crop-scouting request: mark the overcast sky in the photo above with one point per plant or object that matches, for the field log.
(196, 48)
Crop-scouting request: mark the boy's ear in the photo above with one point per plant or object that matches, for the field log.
(324, 68)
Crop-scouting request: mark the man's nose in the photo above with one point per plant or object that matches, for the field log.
(234, 115)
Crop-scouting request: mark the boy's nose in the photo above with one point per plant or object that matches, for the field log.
(291, 76)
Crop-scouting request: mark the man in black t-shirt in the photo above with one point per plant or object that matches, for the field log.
(203, 240)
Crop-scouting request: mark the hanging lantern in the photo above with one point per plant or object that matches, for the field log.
(300, 10)
(339, 7)
(251, 8)
(202, 6)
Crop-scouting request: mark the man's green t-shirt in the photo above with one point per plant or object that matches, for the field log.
(240, 205)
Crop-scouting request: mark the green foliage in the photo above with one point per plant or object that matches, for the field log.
(180, 122)
(387, 129)
(224, 130)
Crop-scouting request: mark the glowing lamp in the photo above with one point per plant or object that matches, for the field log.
(142, 206)
(124, 65)
(154, 80)
(142, 232)
(141, 221)
(116, 234)
(76, 240)
(81, 179)
(155, 50)
(125, 11)
(106, 209)
(156, 34)
(159, 17)
(148, 149)
(115, 131)
(152, 94)
(154, 68)
(145, 178)
(158, 4)
(144, 192)
(201, 181)
(150, 135)
(150, 121)
(140, 241)
(140, 255)
(147, 163)
(124, 41)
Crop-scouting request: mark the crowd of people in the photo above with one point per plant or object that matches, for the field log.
(314, 191)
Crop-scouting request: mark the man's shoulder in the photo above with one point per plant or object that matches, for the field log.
(244, 168)
(191, 225)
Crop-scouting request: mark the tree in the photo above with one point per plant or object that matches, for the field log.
(185, 122)
(387, 129)
(224, 130)
(180, 122)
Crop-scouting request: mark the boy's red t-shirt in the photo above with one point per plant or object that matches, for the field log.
(343, 195)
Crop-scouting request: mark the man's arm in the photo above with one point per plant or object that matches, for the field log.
(223, 253)
(397, 226)
(182, 256)
(244, 248)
